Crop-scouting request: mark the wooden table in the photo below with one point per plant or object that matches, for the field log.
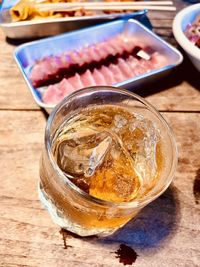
(166, 233)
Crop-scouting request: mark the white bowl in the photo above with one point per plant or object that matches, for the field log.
(181, 20)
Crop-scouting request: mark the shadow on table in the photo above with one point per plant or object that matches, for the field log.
(154, 224)
(185, 72)
(151, 228)
(189, 73)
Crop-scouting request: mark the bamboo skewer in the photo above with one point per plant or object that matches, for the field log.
(150, 5)
(126, 3)
(114, 8)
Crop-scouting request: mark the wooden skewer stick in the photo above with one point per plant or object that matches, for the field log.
(106, 7)
(128, 3)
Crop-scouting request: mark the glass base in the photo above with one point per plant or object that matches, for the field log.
(68, 224)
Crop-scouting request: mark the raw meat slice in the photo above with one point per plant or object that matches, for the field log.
(76, 58)
(65, 60)
(125, 69)
(52, 95)
(55, 93)
(146, 65)
(101, 50)
(135, 66)
(108, 75)
(158, 60)
(76, 82)
(38, 73)
(48, 66)
(125, 42)
(98, 77)
(93, 54)
(118, 75)
(109, 49)
(85, 55)
(66, 87)
(87, 79)
(114, 44)
(56, 63)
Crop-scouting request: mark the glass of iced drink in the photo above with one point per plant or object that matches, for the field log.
(107, 154)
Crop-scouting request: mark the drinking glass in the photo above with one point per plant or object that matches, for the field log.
(72, 208)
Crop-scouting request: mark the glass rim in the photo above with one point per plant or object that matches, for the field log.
(135, 202)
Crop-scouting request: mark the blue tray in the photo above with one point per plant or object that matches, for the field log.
(26, 54)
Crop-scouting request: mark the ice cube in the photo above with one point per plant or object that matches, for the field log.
(98, 155)
(120, 121)
(79, 154)
(116, 180)
(145, 157)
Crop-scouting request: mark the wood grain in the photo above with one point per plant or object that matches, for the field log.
(14, 92)
(165, 233)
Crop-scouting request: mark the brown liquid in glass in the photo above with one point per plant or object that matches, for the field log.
(109, 152)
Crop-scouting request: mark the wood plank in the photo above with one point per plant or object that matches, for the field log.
(164, 23)
(165, 233)
(14, 92)
(168, 15)
(175, 98)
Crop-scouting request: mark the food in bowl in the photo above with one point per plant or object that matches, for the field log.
(182, 20)
(192, 31)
